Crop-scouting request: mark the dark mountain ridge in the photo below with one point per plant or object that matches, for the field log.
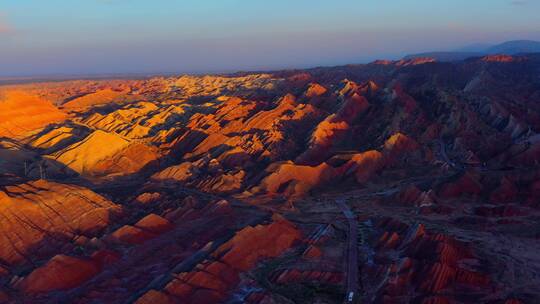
(513, 47)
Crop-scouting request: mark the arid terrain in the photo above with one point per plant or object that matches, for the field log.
(411, 181)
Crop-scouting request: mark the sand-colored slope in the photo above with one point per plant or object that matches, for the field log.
(102, 153)
(22, 113)
(82, 156)
(97, 98)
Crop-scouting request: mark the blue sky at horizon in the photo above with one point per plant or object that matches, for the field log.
(46, 37)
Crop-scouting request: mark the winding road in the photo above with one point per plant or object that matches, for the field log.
(352, 252)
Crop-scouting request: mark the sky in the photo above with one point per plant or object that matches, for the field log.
(86, 37)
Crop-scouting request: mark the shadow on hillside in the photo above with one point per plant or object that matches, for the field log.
(79, 132)
(20, 163)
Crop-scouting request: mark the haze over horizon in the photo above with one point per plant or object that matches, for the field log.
(166, 36)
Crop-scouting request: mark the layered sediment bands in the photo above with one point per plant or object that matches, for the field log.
(212, 280)
(39, 217)
(58, 138)
(101, 154)
(432, 264)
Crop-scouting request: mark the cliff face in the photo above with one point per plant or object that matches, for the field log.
(231, 188)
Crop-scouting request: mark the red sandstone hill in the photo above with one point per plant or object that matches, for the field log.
(22, 113)
(262, 188)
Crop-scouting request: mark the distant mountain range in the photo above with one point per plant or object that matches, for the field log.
(508, 48)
